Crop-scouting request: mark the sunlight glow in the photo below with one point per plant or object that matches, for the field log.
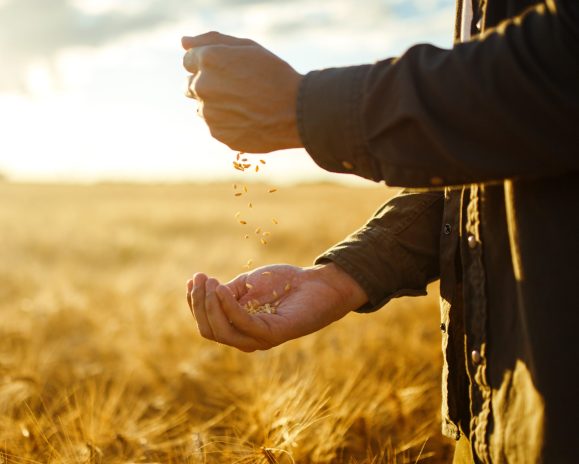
(95, 7)
(110, 105)
(39, 80)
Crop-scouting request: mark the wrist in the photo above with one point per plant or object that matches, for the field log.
(351, 293)
(293, 138)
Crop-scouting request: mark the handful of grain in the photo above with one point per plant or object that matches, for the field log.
(253, 307)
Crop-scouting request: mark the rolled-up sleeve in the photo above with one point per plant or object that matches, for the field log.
(396, 253)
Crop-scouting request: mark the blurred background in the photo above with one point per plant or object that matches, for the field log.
(116, 194)
(93, 89)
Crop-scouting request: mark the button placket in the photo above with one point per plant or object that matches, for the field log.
(472, 243)
(476, 325)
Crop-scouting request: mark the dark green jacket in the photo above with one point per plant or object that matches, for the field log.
(489, 133)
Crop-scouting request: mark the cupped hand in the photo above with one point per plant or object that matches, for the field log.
(305, 300)
(246, 94)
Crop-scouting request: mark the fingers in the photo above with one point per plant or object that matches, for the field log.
(207, 48)
(204, 58)
(198, 298)
(191, 60)
(189, 288)
(212, 38)
(222, 328)
(252, 326)
(208, 58)
(238, 317)
(190, 90)
(220, 317)
(237, 286)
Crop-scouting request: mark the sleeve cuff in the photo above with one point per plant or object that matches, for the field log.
(330, 123)
(379, 288)
(397, 252)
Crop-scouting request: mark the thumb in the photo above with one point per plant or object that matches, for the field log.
(212, 38)
(237, 286)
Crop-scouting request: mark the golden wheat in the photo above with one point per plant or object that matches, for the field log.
(100, 360)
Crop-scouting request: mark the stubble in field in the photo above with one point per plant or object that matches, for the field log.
(100, 360)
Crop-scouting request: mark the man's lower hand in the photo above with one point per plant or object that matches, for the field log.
(305, 300)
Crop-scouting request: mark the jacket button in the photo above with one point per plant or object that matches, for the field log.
(443, 328)
(471, 241)
(447, 229)
(347, 165)
(436, 180)
(475, 357)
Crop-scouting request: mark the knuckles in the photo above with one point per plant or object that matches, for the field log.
(201, 58)
(200, 86)
(210, 56)
(212, 36)
(211, 283)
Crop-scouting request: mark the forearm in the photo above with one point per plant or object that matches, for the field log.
(352, 294)
(503, 105)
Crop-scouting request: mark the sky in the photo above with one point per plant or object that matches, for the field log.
(93, 90)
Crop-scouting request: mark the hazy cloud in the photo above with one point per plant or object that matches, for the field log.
(32, 30)
(37, 30)
(345, 15)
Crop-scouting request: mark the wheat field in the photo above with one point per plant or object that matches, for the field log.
(100, 360)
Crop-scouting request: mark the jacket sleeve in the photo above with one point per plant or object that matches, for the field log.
(397, 252)
(504, 105)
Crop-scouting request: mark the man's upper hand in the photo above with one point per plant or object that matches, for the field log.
(246, 94)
